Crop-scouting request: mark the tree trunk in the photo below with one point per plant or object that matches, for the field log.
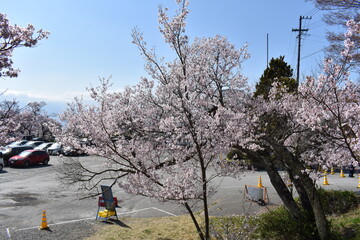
(304, 198)
(293, 163)
(276, 181)
(304, 185)
(320, 218)
(283, 192)
(198, 229)
(204, 190)
(206, 210)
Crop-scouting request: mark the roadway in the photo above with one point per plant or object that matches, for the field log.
(24, 193)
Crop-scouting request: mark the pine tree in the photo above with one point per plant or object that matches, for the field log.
(277, 71)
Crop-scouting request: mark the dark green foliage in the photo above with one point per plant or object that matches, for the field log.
(278, 71)
(337, 201)
(279, 225)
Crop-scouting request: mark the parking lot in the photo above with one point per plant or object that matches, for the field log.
(25, 192)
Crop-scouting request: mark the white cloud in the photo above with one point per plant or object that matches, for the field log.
(46, 97)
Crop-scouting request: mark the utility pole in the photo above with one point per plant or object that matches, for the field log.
(300, 30)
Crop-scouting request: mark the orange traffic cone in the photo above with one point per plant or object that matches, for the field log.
(325, 179)
(332, 171)
(260, 183)
(342, 173)
(44, 225)
(359, 182)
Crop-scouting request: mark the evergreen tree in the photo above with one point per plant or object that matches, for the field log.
(277, 71)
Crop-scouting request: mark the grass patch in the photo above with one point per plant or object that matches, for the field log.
(347, 226)
(343, 227)
(342, 208)
(162, 228)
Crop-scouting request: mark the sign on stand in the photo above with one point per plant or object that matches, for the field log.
(256, 194)
(108, 202)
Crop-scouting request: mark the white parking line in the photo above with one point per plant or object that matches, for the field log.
(53, 224)
(134, 211)
(8, 232)
(163, 211)
(83, 219)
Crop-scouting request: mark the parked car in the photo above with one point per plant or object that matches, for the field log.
(73, 152)
(1, 164)
(86, 142)
(38, 139)
(33, 144)
(43, 146)
(55, 149)
(29, 157)
(13, 144)
(28, 137)
(18, 143)
(12, 151)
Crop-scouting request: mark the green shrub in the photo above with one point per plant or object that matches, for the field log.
(278, 224)
(337, 201)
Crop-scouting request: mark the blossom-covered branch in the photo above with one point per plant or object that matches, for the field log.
(11, 37)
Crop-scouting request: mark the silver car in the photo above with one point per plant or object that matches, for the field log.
(55, 149)
(43, 146)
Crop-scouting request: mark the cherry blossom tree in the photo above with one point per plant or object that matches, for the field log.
(336, 15)
(34, 120)
(8, 124)
(160, 138)
(279, 142)
(316, 126)
(331, 106)
(11, 37)
(16, 121)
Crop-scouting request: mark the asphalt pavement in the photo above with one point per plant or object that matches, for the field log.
(24, 193)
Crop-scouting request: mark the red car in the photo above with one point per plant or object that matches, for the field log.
(29, 157)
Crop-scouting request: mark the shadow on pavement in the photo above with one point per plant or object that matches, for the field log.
(117, 222)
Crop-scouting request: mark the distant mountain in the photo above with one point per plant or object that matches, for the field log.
(55, 104)
(52, 107)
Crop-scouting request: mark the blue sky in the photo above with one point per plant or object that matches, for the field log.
(92, 38)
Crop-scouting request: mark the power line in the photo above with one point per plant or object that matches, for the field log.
(313, 53)
(315, 40)
(319, 25)
(320, 21)
(312, 12)
(290, 43)
(317, 36)
(292, 49)
(293, 56)
(316, 11)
